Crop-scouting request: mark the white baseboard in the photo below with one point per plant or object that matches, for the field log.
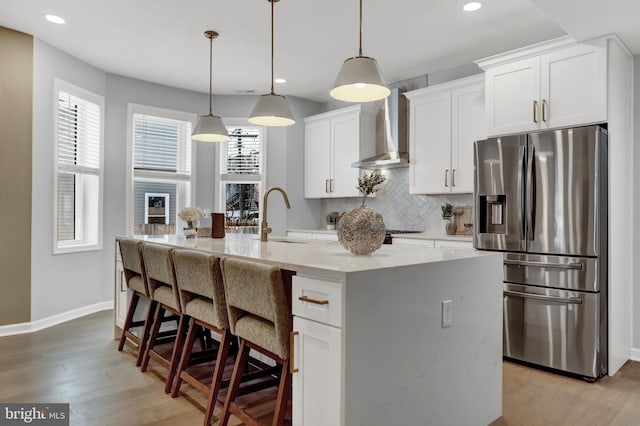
(30, 327)
(634, 354)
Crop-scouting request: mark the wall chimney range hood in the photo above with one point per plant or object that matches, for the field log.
(391, 133)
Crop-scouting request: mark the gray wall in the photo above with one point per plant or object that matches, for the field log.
(61, 282)
(64, 282)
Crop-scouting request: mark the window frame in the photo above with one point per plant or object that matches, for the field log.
(220, 179)
(80, 245)
(159, 176)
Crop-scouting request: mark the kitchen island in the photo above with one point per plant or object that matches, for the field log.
(377, 350)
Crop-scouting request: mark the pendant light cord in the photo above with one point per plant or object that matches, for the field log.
(272, 3)
(210, 75)
(360, 50)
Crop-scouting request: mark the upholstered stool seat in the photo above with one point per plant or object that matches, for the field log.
(161, 281)
(260, 316)
(201, 292)
(134, 274)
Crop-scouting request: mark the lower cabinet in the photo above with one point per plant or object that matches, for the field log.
(316, 304)
(120, 297)
(316, 383)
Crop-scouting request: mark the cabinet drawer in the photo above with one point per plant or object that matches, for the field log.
(317, 300)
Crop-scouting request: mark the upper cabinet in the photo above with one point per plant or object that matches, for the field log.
(444, 121)
(332, 141)
(548, 85)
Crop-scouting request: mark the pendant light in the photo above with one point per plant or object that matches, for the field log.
(272, 109)
(210, 128)
(360, 78)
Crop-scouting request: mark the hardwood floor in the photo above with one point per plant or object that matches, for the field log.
(77, 362)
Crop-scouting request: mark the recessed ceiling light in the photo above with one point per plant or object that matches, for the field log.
(280, 80)
(472, 6)
(55, 19)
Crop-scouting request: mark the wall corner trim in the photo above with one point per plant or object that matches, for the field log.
(41, 324)
(634, 354)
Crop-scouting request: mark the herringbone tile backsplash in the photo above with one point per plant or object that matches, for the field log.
(399, 209)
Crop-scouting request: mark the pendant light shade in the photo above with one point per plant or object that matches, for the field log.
(210, 128)
(360, 78)
(272, 109)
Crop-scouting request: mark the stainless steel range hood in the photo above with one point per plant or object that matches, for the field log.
(391, 132)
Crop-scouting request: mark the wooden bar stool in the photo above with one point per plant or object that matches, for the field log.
(134, 273)
(202, 300)
(260, 317)
(161, 281)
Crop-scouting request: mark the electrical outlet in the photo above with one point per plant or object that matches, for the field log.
(447, 313)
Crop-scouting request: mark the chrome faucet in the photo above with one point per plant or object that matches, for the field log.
(264, 228)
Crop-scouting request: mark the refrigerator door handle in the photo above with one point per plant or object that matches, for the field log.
(567, 300)
(521, 200)
(576, 266)
(531, 193)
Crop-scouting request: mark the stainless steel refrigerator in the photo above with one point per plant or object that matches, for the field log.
(541, 198)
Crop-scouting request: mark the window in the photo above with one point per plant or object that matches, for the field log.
(161, 168)
(241, 177)
(78, 118)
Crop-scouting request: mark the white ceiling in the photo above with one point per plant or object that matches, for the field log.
(162, 40)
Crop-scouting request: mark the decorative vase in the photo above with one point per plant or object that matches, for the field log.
(190, 231)
(445, 221)
(361, 230)
(451, 228)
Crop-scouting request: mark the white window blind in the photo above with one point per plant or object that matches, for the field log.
(78, 169)
(159, 144)
(241, 154)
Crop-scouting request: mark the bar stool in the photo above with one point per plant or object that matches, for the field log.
(134, 274)
(161, 281)
(202, 301)
(260, 317)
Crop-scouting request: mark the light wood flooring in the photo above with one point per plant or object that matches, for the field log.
(77, 362)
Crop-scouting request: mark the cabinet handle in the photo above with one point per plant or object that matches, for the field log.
(544, 114)
(446, 177)
(327, 188)
(122, 281)
(330, 185)
(292, 336)
(453, 177)
(535, 111)
(314, 301)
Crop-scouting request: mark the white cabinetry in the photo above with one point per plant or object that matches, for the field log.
(549, 85)
(316, 357)
(120, 297)
(445, 120)
(332, 141)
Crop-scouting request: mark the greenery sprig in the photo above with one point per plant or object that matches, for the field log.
(367, 184)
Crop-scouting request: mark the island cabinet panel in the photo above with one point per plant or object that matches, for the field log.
(317, 309)
(333, 141)
(121, 298)
(444, 122)
(316, 383)
(550, 85)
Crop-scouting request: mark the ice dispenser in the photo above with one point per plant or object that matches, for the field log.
(493, 214)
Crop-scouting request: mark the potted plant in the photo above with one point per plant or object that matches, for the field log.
(448, 226)
(331, 221)
(191, 216)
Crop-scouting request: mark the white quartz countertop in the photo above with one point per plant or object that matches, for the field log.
(330, 256)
